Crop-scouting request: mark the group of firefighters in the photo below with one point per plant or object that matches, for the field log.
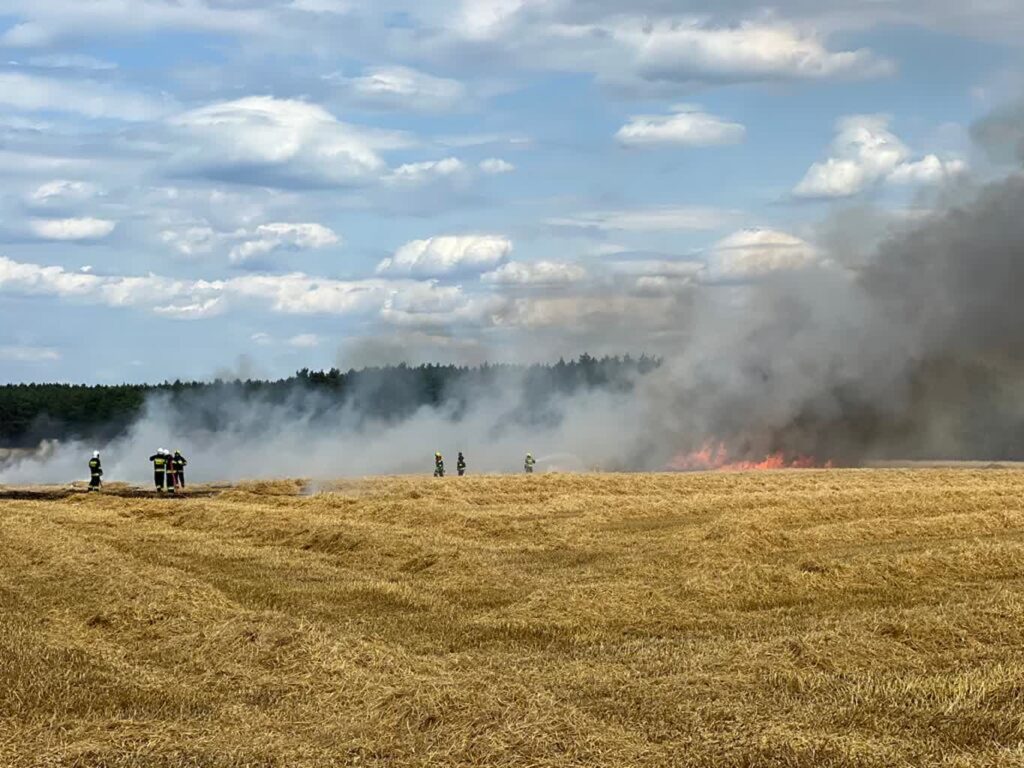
(168, 471)
(460, 464)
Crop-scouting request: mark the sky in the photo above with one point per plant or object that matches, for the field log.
(202, 188)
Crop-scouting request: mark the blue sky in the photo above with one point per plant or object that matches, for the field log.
(221, 187)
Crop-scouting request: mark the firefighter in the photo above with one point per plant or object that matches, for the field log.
(528, 465)
(160, 461)
(95, 471)
(438, 465)
(178, 464)
(461, 464)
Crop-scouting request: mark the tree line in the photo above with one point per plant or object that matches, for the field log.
(30, 413)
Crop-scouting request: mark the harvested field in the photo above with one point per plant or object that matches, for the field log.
(800, 618)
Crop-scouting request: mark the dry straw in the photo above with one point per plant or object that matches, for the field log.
(814, 618)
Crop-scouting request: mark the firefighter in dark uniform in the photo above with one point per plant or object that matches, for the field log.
(461, 464)
(178, 463)
(95, 471)
(160, 461)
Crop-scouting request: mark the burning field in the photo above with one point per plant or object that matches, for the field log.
(715, 456)
(800, 618)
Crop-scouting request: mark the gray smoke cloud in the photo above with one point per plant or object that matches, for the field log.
(1001, 134)
(310, 437)
(915, 352)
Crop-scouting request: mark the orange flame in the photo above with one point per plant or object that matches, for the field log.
(712, 456)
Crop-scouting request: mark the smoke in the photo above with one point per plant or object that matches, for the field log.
(912, 352)
(310, 436)
(1001, 134)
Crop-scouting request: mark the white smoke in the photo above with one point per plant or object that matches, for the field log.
(297, 439)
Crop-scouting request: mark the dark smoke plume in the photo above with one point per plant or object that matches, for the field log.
(916, 353)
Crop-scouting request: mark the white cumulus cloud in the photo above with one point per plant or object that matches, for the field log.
(412, 174)
(64, 190)
(757, 252)
(191, 241)
(495, 165)
(300, 294)
(294, 293)
(929, 170)
(425, 304)
(279, 143)
(682, 51)
(448, 254)
(191, 310)
(866, 153)
(72, 229)
(35, 279)
(657, 277)
(535, 273)
(268, 238)
(686, 127)
(653, 46)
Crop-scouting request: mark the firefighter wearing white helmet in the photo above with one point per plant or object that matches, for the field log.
(161, 462)
(95, 471)
(529, 464)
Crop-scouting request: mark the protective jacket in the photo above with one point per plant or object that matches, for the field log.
(178, 464)
(160, 467)
(95, 473)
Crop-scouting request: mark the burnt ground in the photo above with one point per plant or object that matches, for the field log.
(120, 490)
